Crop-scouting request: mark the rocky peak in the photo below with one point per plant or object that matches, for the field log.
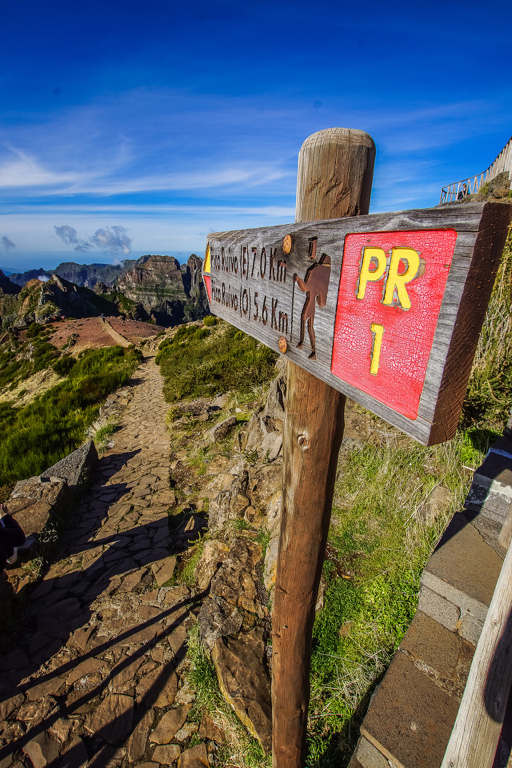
(195, 268)
(61, 284)
(6, 286)
(170, 293)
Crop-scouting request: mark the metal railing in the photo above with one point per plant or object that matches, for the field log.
(460, 189)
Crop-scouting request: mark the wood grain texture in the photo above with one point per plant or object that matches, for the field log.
(481, 229)
(335, 174)
(312, 436)
(478, 725)
(505, 537)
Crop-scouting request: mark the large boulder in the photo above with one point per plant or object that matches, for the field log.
(237, 580)
(218, 618)
(213, 555)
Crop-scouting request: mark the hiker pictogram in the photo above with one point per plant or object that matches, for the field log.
(315, 285)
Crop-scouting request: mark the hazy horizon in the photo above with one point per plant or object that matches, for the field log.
(50, 261)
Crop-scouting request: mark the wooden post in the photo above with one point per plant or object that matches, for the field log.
(334, 180)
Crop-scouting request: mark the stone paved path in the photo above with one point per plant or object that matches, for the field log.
(95, 672)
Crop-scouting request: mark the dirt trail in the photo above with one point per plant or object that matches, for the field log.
(95, 669)
(107, 328)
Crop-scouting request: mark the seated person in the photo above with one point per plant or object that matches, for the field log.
(11, 538)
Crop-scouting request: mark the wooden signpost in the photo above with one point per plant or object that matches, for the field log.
(386, 309)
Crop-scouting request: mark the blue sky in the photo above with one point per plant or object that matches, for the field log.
(130, 127)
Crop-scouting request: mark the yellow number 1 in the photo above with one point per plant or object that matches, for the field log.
(377, 333)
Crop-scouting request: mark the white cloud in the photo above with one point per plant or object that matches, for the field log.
(114, 240)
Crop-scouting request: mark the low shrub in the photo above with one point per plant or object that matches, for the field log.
(34, 330)
(63, 365)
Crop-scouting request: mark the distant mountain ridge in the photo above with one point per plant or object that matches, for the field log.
(84, 275)
(152, 288)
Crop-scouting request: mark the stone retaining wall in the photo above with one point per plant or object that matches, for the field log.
(39, 501)
(412, 713)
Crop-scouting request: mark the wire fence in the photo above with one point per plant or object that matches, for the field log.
(460, 189)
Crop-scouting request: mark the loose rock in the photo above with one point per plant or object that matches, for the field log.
(170, 724)
(244, 679)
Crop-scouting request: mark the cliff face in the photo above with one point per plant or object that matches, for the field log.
(168, 292)
(20, 278)
(87, 275)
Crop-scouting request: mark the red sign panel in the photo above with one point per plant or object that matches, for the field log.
(390, 293)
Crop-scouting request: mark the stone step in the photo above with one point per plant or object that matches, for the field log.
(412, 713)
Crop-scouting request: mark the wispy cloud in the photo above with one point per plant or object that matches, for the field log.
(206, 162)
(7, 244)
(25, 171)
(208, 145)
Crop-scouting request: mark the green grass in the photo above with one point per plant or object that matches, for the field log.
(201, 674)
(488, 399)
(103, 434)
(63, 365)
(379, 542)
(188, 563)
(201, 362)
(55, 423)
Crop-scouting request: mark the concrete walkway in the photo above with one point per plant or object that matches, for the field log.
(93, 680)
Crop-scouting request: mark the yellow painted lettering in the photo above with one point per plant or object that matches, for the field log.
(370, 255)
(397, 280)
(377, 332)
(207, 262)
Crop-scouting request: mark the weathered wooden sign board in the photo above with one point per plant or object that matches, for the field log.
(385, 308)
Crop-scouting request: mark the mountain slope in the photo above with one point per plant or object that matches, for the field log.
(41, 301)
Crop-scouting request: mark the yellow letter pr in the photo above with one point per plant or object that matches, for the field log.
(365, 275)
(398, 281)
